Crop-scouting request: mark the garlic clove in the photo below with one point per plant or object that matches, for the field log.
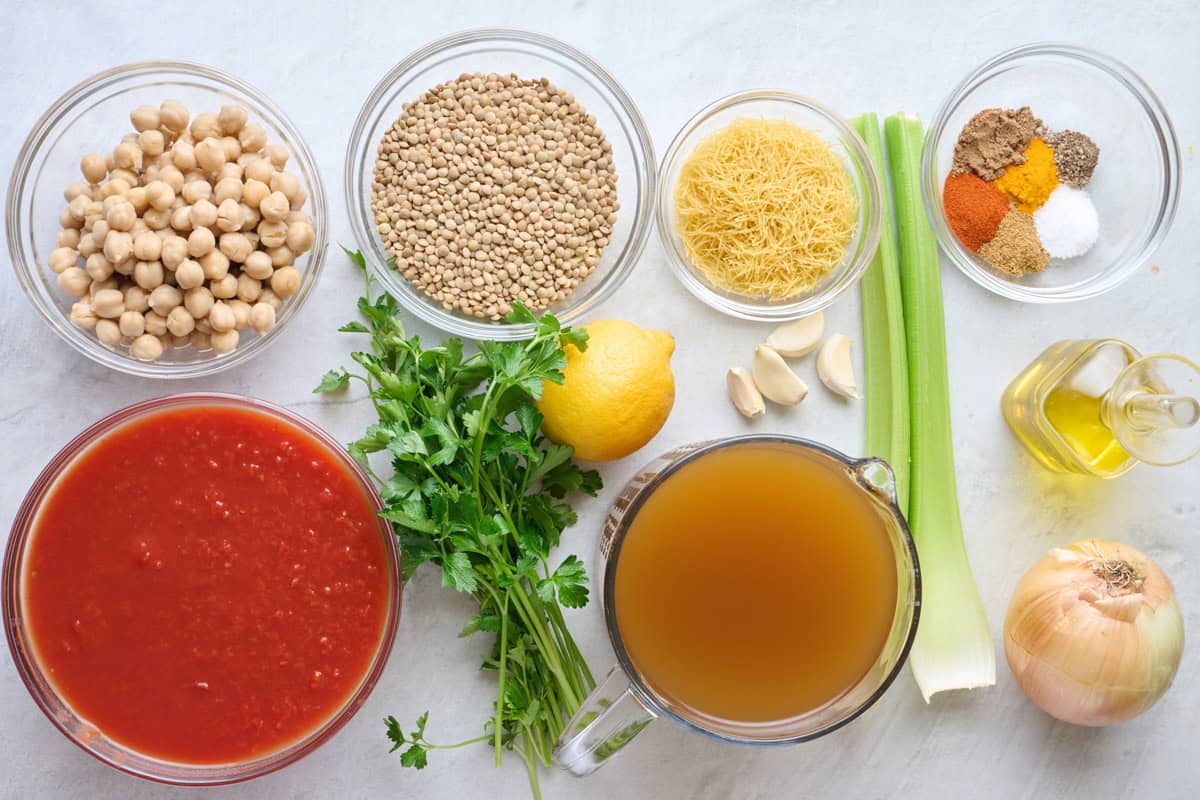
(775, 379)
(743, 393)
(834, 367)
(798, 337)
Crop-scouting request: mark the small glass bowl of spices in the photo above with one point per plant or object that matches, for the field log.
(1051, 174)
(496, 167)
(769, 205)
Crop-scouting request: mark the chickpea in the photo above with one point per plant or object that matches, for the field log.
(160, 195)
(82, 316)
(225, 288)
(114, 188)
(147, 247)
(272, 234)
(93, 213)
(252, 238)
(164, 298)
(98, 267)
(285, 182)
(277, 154)
(180, 322)
(200, 340)
(259, 169)
(63, 258)
(120, 216)
(270, 298)
(281, 256)
(156, 324)
(236, 247)
(128, 156)
(173, 177)
(241, 313)
(210, 156)
(222, 318)
(125, 268)
(136, 197)
(205, 126)
(196, 190)
(174, 251)
(146, 348)
(148, 274)
(215, 265)
(100, 231)
(94, 167)
(118, 247)
(232, 119)
(274, 207)
(200, 240)
(229, 215)
(262, 317)
(157, 220)
(299, 200)
(108, 303)
(227, 189)
(203, 215)
(230, 170)
(181, 218)
(198, 302)
(87, 245)
(99, 286)
(254, 192)
(77, 189)
(203, 326)
(248, 288)
(300, 236)
(153, 143)
(189, 275)
(67, 221)
(130, 177)
(68, 237)
(258, 265)
(250, 219)
(224, 342)
(136, 298)
(183, 156)
(285, 282)
(253, 138)
(131, 324)
(173, 116)
(108, 332)
(233, 150)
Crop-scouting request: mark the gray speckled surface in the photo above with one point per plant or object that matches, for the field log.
(319, 64)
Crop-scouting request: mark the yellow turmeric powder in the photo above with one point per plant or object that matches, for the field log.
(1029, 184)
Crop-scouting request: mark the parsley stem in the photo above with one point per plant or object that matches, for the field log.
(503, 664)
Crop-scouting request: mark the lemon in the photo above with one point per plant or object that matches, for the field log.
(617, 393)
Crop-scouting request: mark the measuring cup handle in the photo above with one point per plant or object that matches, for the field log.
(608, 719)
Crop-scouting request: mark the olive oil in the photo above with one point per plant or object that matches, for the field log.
(1098, 407)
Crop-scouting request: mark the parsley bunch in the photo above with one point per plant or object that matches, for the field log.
(476, 490)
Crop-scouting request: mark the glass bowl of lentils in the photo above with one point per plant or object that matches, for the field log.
(166, 219)
(496, 167)
(1051, 174)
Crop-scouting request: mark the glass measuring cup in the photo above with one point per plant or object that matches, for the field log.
(625, 703)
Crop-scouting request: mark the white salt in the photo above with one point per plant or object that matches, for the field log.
(1067, 222)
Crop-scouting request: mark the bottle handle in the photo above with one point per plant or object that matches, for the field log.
(607, 721)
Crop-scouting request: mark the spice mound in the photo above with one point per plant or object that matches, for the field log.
(492, 189)
(188, 234)
(1014, 193)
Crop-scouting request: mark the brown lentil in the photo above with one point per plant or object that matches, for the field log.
(491, 189)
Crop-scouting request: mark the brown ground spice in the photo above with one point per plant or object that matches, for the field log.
(1075, 155)
(1016, 249)
(974, 208)
(994, 139)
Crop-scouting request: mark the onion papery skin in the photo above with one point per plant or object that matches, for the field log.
(1084, 654)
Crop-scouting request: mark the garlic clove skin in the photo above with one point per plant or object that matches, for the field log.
(744, 394)
(834, 366)
(1093, 634)
(798, 337)
(775, 379)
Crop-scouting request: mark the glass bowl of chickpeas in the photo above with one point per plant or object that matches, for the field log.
(496, 166)
(166, 219)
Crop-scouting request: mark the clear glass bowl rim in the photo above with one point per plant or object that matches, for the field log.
(872, 202)
(26, 269)
(20, 647)
(1169, 153)
(357, 176)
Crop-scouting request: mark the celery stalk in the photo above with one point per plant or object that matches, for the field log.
(953, 647)
(884, 351)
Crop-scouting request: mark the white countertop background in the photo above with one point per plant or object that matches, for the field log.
(319, 65)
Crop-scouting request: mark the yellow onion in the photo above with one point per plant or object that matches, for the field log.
(1093, 633)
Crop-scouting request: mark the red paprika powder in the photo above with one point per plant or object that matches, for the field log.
(973, 207)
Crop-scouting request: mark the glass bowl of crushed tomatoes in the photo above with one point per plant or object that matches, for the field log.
(198, 589)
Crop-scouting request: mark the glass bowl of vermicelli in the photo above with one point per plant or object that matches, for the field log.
(769, 205)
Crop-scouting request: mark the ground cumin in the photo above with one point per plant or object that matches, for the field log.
(974, 208)
(1016, 249)
(994, 139)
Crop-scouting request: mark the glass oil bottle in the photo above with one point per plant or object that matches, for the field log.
(1098, 406)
